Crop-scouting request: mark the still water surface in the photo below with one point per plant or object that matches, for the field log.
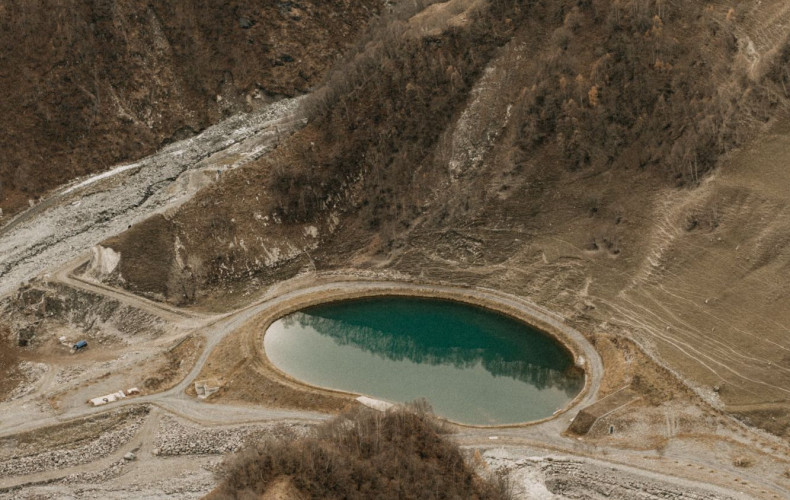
(472, 365)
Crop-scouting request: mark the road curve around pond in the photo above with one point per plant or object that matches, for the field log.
(214, 328)
(543, 438)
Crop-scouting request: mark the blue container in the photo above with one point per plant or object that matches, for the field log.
(80, 345)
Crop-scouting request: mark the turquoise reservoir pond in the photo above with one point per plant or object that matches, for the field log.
(473, 366)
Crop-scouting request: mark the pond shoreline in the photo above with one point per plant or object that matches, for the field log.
(515, 307)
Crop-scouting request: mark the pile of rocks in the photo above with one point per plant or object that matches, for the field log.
(32, 373)
(548, 477)
(69, 374)
(175, 438)
(100, 476)
(90, 451)
(577, 479)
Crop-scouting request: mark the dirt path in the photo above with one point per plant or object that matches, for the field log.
(214, 329)
(182, 317)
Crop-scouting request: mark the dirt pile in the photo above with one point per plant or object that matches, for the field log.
(41, 309)
(176, 438)
(89, 84)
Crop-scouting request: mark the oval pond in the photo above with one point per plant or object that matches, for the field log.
(473, 366)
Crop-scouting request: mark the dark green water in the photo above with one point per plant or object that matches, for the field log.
(472, 365)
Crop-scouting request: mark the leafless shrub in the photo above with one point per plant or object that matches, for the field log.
(363, 454)
(742, 462)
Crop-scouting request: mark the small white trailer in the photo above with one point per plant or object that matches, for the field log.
(115, 396)
(109, 398)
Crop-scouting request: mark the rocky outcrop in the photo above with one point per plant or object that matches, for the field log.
(103, 261)
(40, 308)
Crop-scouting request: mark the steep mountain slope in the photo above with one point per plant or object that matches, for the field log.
(89, 84)
(584, 154)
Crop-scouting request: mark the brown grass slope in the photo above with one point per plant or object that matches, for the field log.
(89, 84)
(363, 455)
(619, 162)
(355, 135)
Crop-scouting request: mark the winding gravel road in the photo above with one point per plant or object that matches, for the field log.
(543, 439)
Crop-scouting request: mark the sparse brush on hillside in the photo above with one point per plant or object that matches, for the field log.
(364, 454)
(383, 108)
(632, 83)
(639, 83)
(595, 85)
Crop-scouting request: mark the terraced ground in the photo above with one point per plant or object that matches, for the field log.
(713, 299)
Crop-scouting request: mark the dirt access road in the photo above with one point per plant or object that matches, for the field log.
(217, 327)
(543, 442)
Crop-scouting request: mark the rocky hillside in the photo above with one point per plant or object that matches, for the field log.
(617, 161)
(89, 84)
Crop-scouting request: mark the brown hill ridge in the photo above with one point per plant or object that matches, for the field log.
(90, 84)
